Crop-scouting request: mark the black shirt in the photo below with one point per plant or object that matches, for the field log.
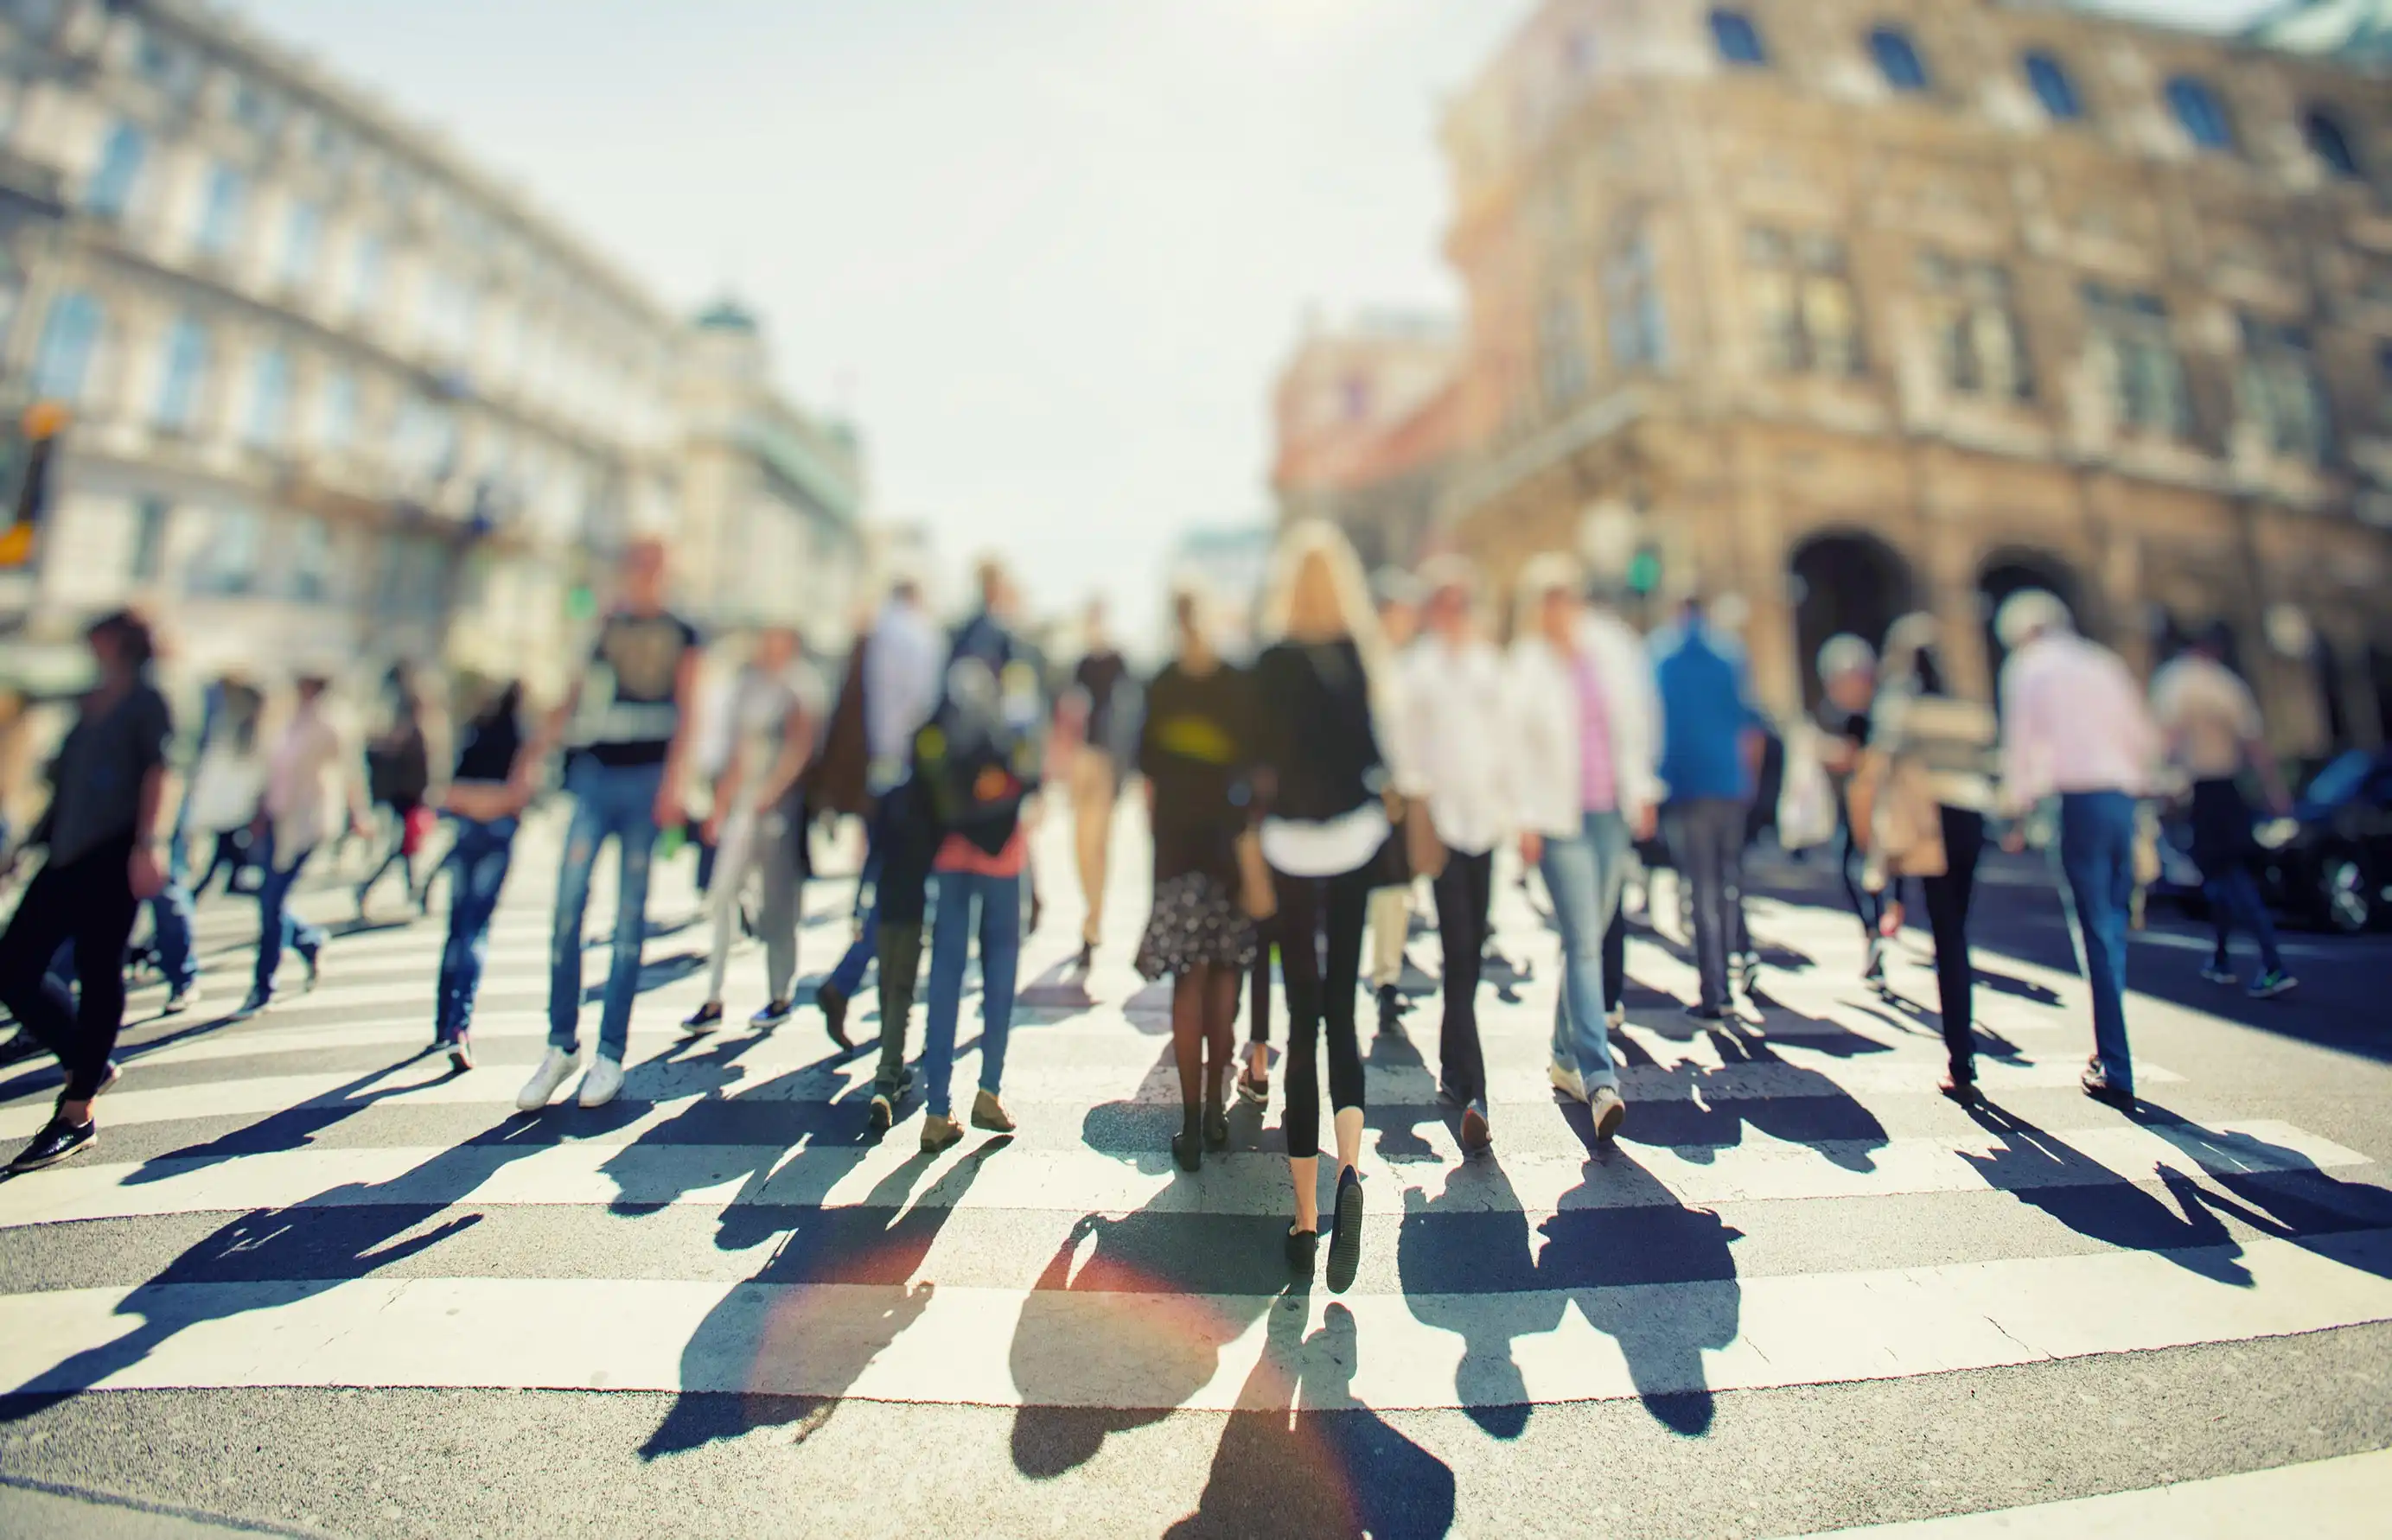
(631, 705)
(1100, 677)
(1313, 730)
(487, 754)
(1194, 751)
(96, 796)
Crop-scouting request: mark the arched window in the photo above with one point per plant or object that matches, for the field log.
(186, 367)
(2054, 87)
(2199, 112)
(2330, 142)
(69, 335)
(1897, 58)
(1738, 38)
(110, 191)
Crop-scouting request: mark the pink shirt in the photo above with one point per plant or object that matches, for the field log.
(1598, 785)
(2073, 720)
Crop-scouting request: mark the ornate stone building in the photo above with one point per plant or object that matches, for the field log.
(1859, 306)
(1367, 422)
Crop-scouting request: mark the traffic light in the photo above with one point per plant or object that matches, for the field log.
(25, 471)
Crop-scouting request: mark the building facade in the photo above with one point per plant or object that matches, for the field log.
(770, 498)
(1365, 426)
(336, 398)
(1852, 307)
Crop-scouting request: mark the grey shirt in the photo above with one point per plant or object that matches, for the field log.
(96, 779)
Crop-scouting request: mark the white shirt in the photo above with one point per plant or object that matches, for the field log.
(2208, 715)
(1450, 740)
(315, 777)
(905, 664)
(2073, 720)
(1543, 736)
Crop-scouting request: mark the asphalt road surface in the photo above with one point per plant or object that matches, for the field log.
(309, 1282)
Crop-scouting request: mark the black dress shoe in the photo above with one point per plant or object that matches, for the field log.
(1345, 1235)
(1187, 1149)
(1217, 1129)
(833, 1001)
(58, 1139)
(1303, 1250)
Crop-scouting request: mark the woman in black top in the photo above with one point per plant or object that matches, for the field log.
(400, 764)
(106, 858)
(1321, 786)
(486, 803)
(1192, 751)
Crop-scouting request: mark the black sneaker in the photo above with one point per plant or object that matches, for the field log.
(1345, 1233)
(1391, 1012)
(58, 1139)
(2270, 984)
(705, 1018)
(884, 1110)
(19, 1046)
(254, 1006)
(1188, 1150)
(774, 1013)
(179, 999)
(1303, 1250)
(2219, 974)
(833, 1001)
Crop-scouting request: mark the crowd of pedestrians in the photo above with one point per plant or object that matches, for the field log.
(1388, 736)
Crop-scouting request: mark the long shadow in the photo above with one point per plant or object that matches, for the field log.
(1468, 1267)
(837, 1293)
(1300, 1455)
(1700, 1109)
(2046, 1173)
(291, 1128)
(344, 1233)
(2281, 1193)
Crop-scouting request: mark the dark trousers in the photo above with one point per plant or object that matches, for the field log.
(88, 901)
(478, 865)
(1707, 845)
(1321, 995)
(1852, 864)
(1615, 961)
(1947, 917)
(1463, 892)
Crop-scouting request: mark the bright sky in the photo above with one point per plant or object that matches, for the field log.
(1048, 253)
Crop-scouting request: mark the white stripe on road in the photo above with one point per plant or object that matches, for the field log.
(1077, 1180)
(919, 1342)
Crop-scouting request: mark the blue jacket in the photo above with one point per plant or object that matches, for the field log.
(1705, 711)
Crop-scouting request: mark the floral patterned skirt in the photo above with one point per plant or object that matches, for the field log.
(1196, 922)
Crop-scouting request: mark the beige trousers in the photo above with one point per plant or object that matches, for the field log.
(1390, 923)
(1093, 787)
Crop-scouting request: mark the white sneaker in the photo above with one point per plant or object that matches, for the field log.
(604, 1079)
(554, 1070)
(1566, 1079)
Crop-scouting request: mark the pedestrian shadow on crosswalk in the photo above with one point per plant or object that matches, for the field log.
(1300, 1456)
(1700, 1109)
(839, 1290)
(2278, 1192)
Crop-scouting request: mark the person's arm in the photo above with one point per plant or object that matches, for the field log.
(544, 740)
(146, 871)
(797, 750)
(349, 754)
(685, 692)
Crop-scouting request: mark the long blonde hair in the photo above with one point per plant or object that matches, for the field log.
(1317, 542)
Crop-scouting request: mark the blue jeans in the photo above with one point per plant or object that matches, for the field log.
(616, 801)
(277, 926)
(477, 869)
(170, 920)
(998, 900)
(2097, 855)
(1584, 875)
(848, 977)
(2234, 901)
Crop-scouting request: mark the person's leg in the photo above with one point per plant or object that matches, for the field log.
(1000, 957)
(1691, 851)
(104, 911)
(633, 820)
(900, 964)
(582, 839)
(478, 873)
(1615, 962)
(1461, 1065)
(273, 926)
(1390, 918)
(2234, 895)
(1220, 1007)
(847, 977)
(1608, 839)
(1348, 901)
(1581, 1042)
(1947, 897)
(1738, 818)
(780, 851)
(41, 1002)
(1092, 815)
(2096, 843)
(1187, 1047)
(170, 926)
(950, 949)
(734, 848)
(1852, 864)
(1299, 923)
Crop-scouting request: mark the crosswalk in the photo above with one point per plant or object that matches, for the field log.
(312, 1199)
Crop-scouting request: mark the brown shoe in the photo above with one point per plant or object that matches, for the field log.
(940, 1133)
(989, 1113)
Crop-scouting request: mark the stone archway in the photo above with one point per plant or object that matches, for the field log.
(2017, 569)
(1844, 581)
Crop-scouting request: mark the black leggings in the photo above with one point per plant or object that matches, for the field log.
(1258, 1015)
(1947, 916)
(89, 902)
(1463, 898)
(1852, 864)
(1320, 996)
(1615, 961)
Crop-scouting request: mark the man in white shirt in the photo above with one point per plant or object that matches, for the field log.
(1451, 749)
(1389, 924)
(2075, 727)
(2211, 721)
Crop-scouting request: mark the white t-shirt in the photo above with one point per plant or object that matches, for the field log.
(2207, 713)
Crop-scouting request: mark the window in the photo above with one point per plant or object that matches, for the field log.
(2054, 87)
(311, 561)
(253, 109)
(2277, 390)
(1977, 334)
(2330, 142)
(1739, 39)
(2199, 112)
(2131, 342)
(186, 367)
(2383, 373)
(302, 241)
(366, 283)
(69, 336)
(426, 438)
(1632, 295)
(1809, 318)
(270, 399)
(1897, 58)
(336, 425)
(220, 214)
(113, 183)
(227, 563)
(1561, 354)
(150, 517)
